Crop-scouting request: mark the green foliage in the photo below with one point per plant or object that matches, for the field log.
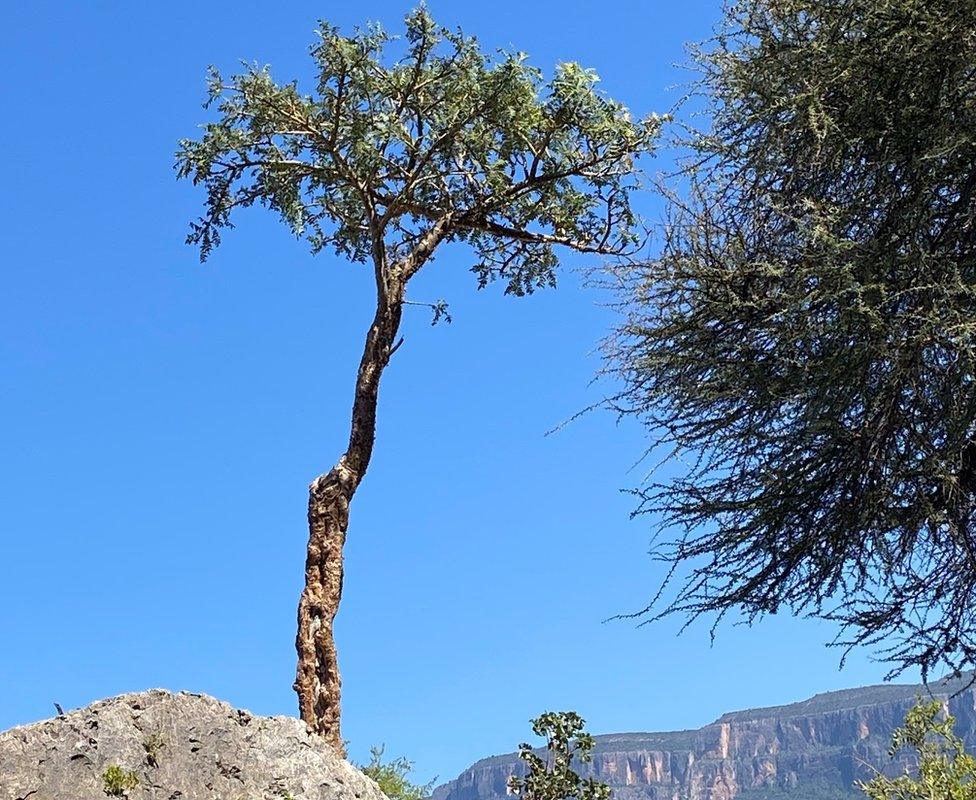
(117, 781)
(392, 779)
(426, 134)
(945, 771)
(806, 339)
(553, 777)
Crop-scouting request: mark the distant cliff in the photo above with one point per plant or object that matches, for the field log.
(816, 748)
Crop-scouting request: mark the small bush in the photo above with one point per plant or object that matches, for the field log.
(943, 769)
(553, 778)
(118, 781)
(392, 777)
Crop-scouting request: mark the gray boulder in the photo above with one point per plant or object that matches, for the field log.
(158, 745)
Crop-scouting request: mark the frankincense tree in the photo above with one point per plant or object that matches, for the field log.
(402, 147)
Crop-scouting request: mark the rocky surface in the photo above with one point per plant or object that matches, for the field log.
(158, 745)
(813, 749)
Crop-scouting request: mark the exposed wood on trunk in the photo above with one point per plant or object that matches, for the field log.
(317, 681)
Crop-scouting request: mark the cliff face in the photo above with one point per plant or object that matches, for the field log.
(819, 746)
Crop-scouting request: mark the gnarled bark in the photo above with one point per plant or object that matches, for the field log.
(317, 682)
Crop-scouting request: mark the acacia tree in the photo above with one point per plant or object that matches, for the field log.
(392, 156)
(806, 339)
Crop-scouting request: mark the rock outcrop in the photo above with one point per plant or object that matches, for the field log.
(158, 745)
(816, 748)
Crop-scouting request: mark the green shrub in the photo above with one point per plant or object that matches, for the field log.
(553, 778)
(392, 776)
(117, 781)
(944, 769)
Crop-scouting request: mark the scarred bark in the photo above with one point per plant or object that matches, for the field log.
(317, 681)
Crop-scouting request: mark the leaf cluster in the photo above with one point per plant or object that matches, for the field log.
(805, 340)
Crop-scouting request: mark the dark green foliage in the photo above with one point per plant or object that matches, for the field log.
(553, 777)
(393, 140)
(392, 776)
(943, 771)
(806, 339)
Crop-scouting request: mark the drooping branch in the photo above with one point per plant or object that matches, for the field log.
(804, 340)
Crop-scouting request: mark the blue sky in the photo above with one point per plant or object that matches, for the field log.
(162, 419)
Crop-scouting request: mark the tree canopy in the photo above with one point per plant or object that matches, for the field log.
(442, 139)
(804, 341)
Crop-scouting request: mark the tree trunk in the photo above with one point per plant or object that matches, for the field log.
(317, 680)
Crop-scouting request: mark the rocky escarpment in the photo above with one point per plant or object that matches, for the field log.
(158, 745)
(816, 748)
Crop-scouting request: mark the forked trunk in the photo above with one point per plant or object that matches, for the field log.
(317, 680)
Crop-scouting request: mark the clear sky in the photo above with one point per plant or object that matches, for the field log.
(161, 420)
